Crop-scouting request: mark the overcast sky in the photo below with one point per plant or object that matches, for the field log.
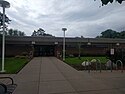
(81, 17)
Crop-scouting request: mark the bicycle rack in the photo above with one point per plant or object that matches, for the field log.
(100, 65)
(119, 61)
(89, 67)
(98, 61)
(96, 66)
(85, 66)
(109, 65)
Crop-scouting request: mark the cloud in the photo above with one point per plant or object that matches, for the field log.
(80, 17)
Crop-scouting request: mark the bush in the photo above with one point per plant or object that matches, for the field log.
(21, 57)
(71, 55)
(24, 53)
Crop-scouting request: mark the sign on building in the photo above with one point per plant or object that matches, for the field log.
(112, 51)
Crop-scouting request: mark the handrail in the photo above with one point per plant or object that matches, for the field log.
(8, 78)
(121, 65)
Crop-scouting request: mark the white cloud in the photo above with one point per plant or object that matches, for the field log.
(81, 17)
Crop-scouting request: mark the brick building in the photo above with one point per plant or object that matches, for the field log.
(52, 46)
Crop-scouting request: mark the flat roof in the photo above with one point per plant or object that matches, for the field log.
(44, 39)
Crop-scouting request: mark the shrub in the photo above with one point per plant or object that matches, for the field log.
(24, 53)
(22, 57)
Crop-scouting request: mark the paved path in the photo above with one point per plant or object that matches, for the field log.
(48, 75)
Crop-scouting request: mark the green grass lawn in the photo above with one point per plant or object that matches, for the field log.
(76, 60)
(14, 65)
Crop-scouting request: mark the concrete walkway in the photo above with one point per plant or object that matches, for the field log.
(48, 75)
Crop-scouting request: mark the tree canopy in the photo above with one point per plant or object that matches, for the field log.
(109, 33)
(13, 32)
(105, 2)
(40, 32)
(7, 20)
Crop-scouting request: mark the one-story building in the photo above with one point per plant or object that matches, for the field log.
(52, 46)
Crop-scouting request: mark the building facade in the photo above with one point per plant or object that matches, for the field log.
(52, 46)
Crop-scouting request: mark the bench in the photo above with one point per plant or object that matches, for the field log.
(7, 88)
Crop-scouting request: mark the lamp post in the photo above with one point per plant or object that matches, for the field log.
(79, 44)
(89, 43)
(64, 29)
(3, 4)
(33, 47)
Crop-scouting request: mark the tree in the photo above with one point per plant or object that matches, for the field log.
(1, 32)
(7, 20)
(105, 2)
(21, 33)
(40, 32)
(109, 33)
(10, 32)
(15, 32)
(122, 34)
(34, 33)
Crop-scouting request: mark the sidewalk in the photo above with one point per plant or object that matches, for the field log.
(48, 75)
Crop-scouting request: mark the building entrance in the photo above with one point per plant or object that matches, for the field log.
(44, 50)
